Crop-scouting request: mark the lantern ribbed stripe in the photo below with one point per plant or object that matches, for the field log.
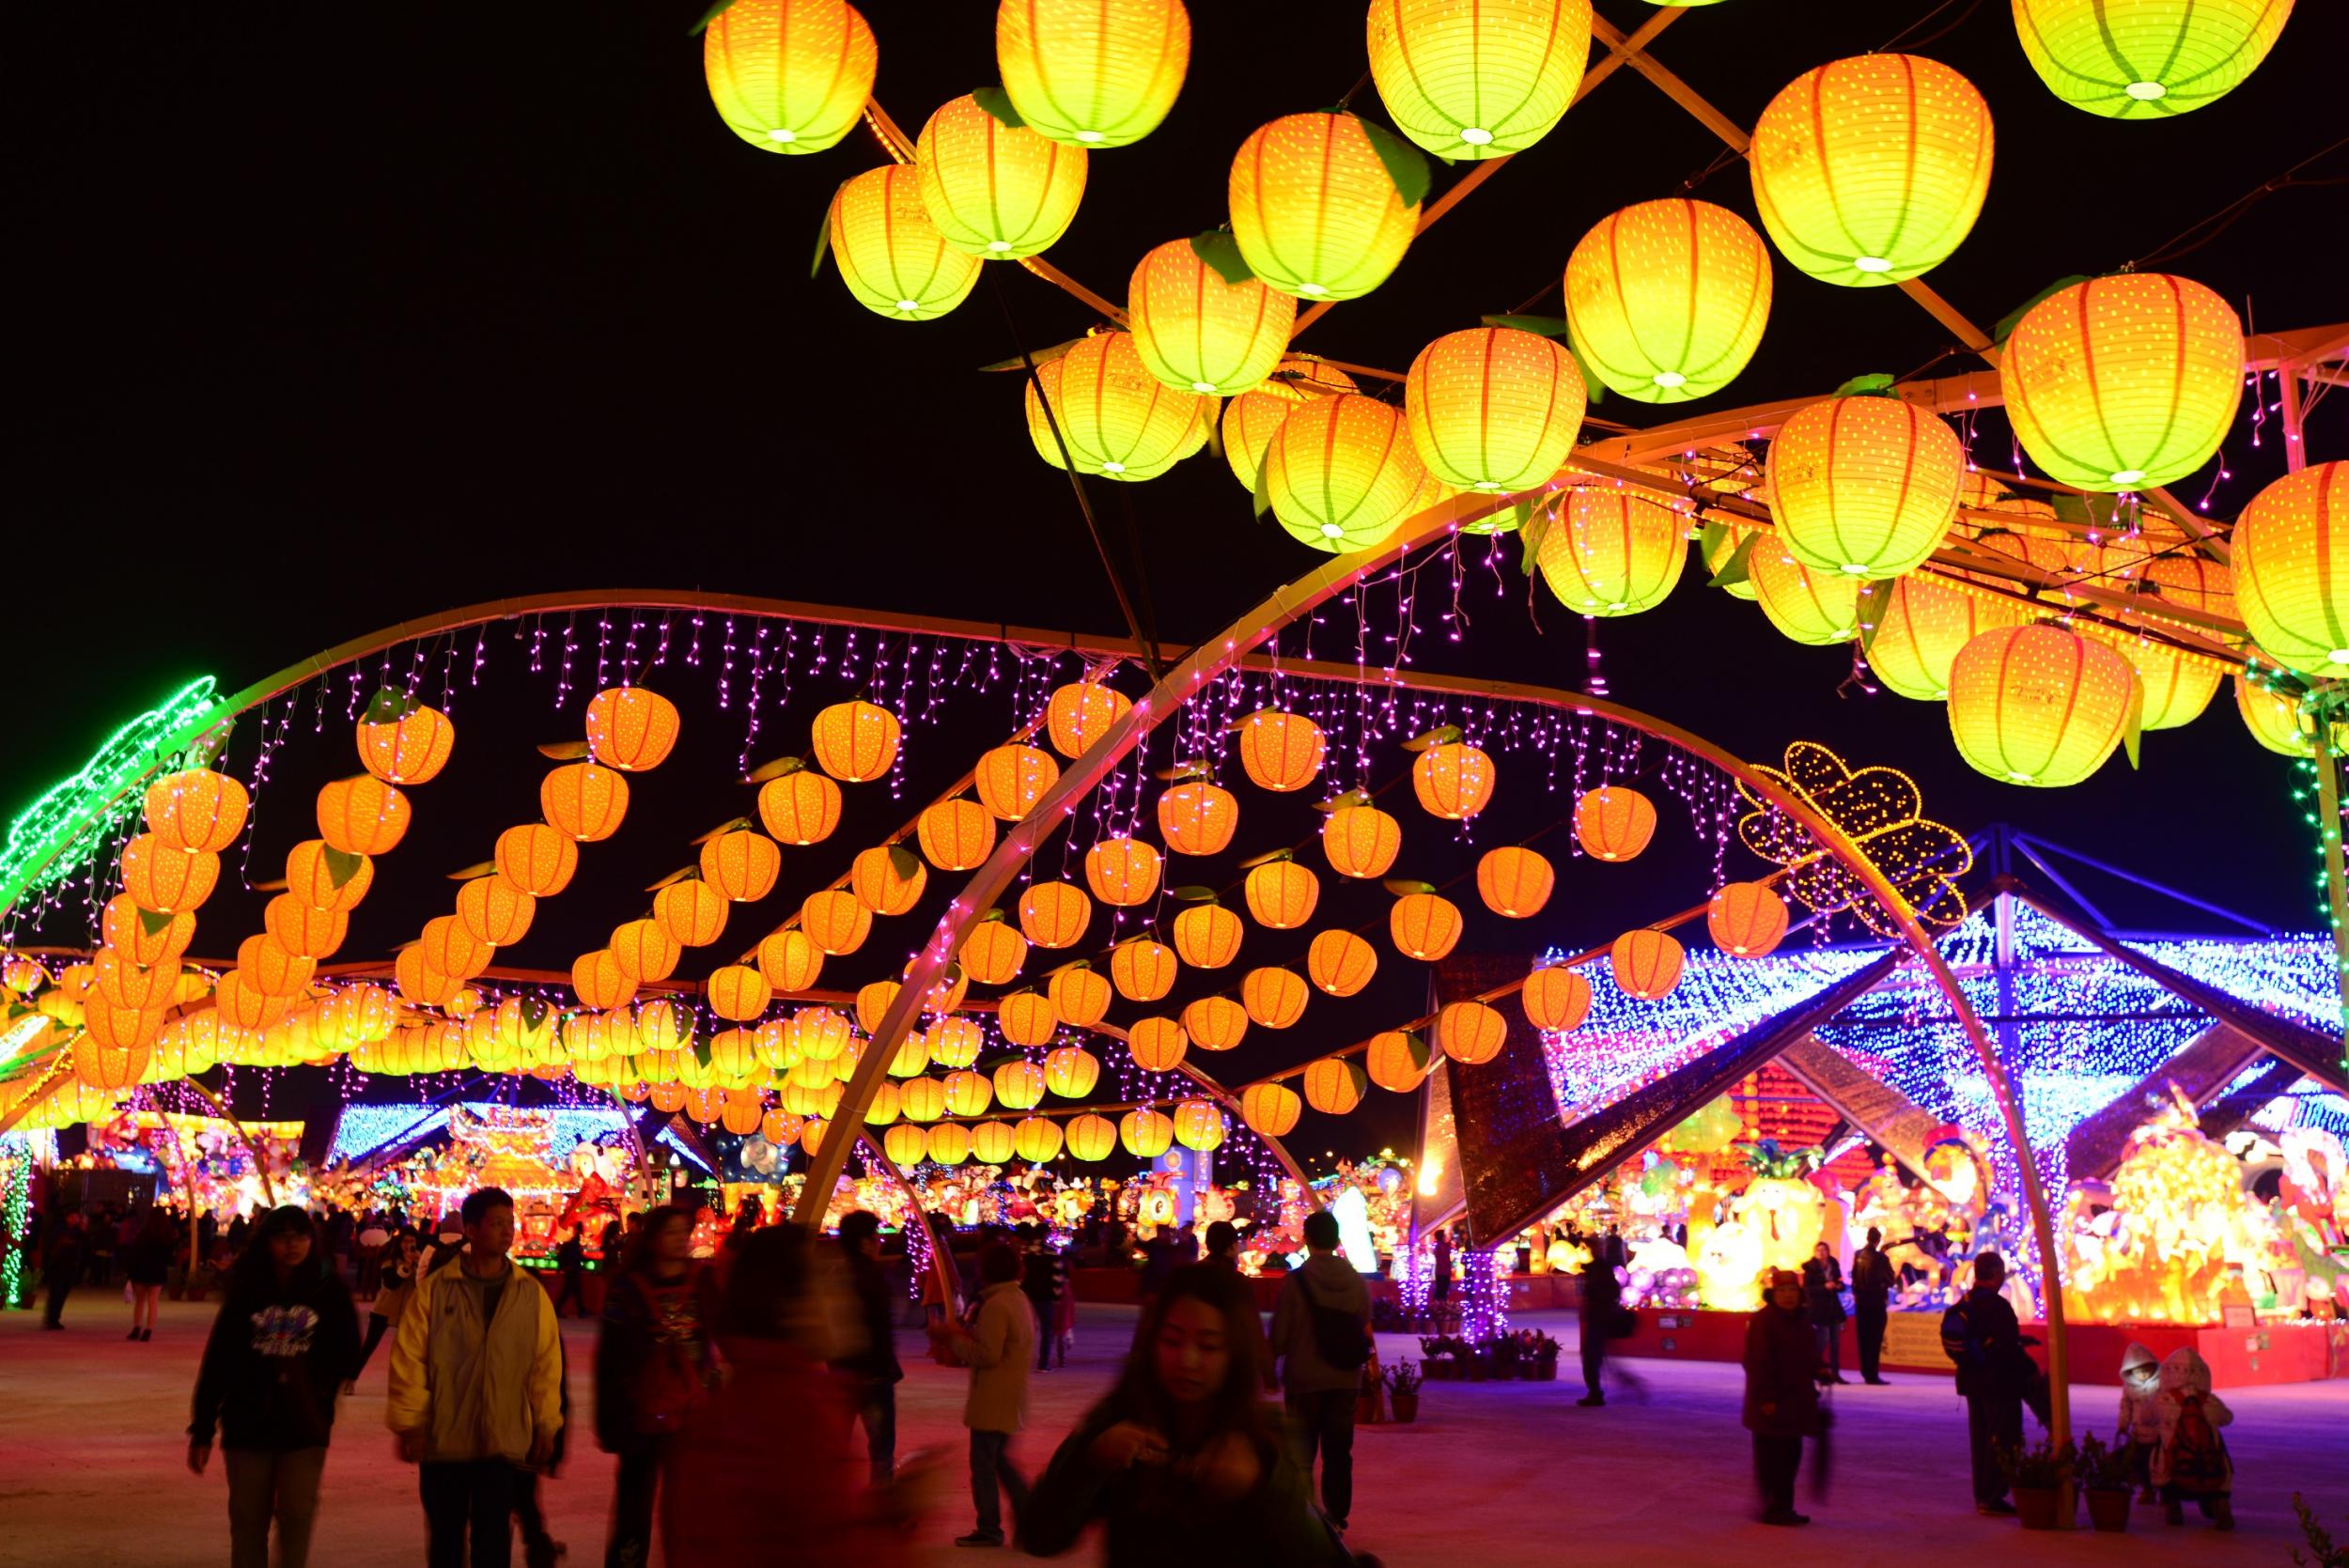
(1870, 171)
(1314, 210)
(1198, 333)
(890, 254)
(1493, 409)
(1340, 472)
(789, 75)
(2037, 705)
(2145, 59)
(1119, 421)
(1866, 486)
(993, 190)
(1470, 79)
(2124, 382)
(1612, 553)
(2291, 571)
(1666, 299)
(1093, 72)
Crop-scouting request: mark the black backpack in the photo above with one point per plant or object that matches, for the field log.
(1339, 1337)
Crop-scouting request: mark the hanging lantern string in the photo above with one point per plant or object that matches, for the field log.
(1962, 18)
(2224, 218)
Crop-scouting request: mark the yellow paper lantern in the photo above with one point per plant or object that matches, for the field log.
(1036, 1139)
(1215, 1023)
(1612, 552)
(1274, 998)
(1747, 919)
(1198, 1125)
(1078, 995)
(1280, 752)
(1647, 963)
(1054, 914)
(1424, 925)
(1122, 872)
(741, 865)
(1872, 170)
(1493, 409)
(2177, 686)
(1864, 486)
(993, 190)
(1924, 628)
(1195, 332)
(1314, 210)
(1613, 822)
(948, 1143)
(1470, 1032)
(1027, 1019)
(1207, 935)
(1555, 998)
(1814, 607)
(802, 807)
(630, 728)
(1281, 895)
(1666, 299)
(1482, 79)
(1397, 1061)
(1091, 73)
(1115, 418)
(1158, 1045)
(408, 749)
(691, 911)
(856, 742)
(1011, 779)
(332, 881)
(2281, 723)
(1146, 1134)
(993, 952)
(1018, 1085)
(2291, 571)
(992, 1144)
(1340, 472)
(2039, 704)
(494, 911)
(1080, 713)
(196, 810)
(1251, 418)
(955, 835)
(1454, 782)
(2144, 59)
(905, 1143)
(581, 801)
(1335, 1085)
(1270, 1109)
(1361, 841)
(1513, 881)
(921, 1100)
(1198, 817)
(2124, 382)
(789, 75)
(537, 858)
(1143, 969)
(1340, 962)
(790, 960)
(836, 920)
(1070, 1073)
(957, 1042)
(1090, 1138)
(912, 1056)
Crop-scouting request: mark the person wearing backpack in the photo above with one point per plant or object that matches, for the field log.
(655, 1363)
(1981, 1334)
(2191, 1460)
(1321, 1332)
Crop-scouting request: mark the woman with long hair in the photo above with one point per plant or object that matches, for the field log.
(285, 1336)
(655, 1360)
(1183, 1461)
(148, 1262)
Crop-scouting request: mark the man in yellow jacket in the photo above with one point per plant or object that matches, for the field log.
(476, 1387)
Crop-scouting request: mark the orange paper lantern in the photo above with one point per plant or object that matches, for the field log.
(993, 952)
(644, 949)
(1144, 970)
(1335, 1085)
(1081, 713)
(1158, 1045)
(1122, 871)
(956, 835)
(836, 920)
(1340, 962)
(1513, 881)
(196, 810)
(410, 749)
(599, 982)
(1748, 919)
(1012, 779)
(1198, 817)
(1361, 841)
(1054, 914)
(1454, 782)
(1274, 998)
(1613, 823)
(741, 865)
(494, 911)
(1207, 935)
(1397, 1061)
(802, 807)
(790, 960)
(584, 802)
(856, 742)
(1470, 1032)
(1080, 995)
(167, 880)
(630, 728)
(691, 911)
(362, 815)
(1280, 752)
(1215, 1023)
(537, 859)
(887, 879)
(1270, 1109)
(328, 879)
(1646, 964)
(1424, 925)
(1281, 895)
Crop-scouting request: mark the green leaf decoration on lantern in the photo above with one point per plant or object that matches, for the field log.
(715, 12)
(1040, 357)
(1218, 248)
(389, 706)
(1534, 524)
(1878, 384)
(823, 233)
(1442, 735)
(780, 768)
(1193, 893)
(1339, 802)
(903, 863)
(1267, 858)
(563, 751)
(1872, 604)
(998, 104)
(1541, 326)
(2134, 733)
(1403, 887)
(1734, 569)
(1406, 165)
(1262, 496)
(2007, 323)
(341, 865)
(153, 921)
(479, 868)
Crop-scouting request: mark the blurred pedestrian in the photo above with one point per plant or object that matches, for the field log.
(996, 1348)
(147, 1263)
(1872, 1282)
(1043, 1280)
(1980, 1334)
(397, 1275)
(1222, 1246)
(1823, 1304)
(1781, 1405)
(1321, 1332)
(655, 1361)
(871, 1371)
(61, 1266)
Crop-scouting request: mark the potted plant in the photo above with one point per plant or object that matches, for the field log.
(1403, 1380)
(2038, 1473)
(1539, 1356)
(1443, 1358)
(2104, 1475)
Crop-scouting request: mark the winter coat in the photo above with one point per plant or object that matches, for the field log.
(2141, 1417)
(1602, 1303)
(275, 1361)
(875, 1360)
(1873, 1277)
(148, 1263)
(1325, 1281)
(475, 1389)
(1781, 1401)
(999, 1350)
(2184, 1375)
(635, 1332)
(1823, 1292)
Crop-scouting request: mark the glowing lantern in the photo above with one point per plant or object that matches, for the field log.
(2291, 567)
(1116, 419)
(949, 1144)
(661, 1026)
(1924, 628)
(1814, 607)
(1054, 914)
(1612, 553)
(1093, 75)
(1396, 1061)
(888, 879)
(2280, 722)
(1470, 1032)
(129, 984)
(599, 982)
(2177, 686)
(912, 1057)
(1195, 332)
(946, 995)
(835, 921)
(1280, 752)
(1198, 817)
(113, 1055)
(1027, 1019)
(737, 992)
(992, 1144)
(1274, 998)
(1090, 1138)
(1872, 170)
(801, 807)
(327, 879)
(1493, 409)
(1454, 782)
(1215, 1023)
(1250, 419)
(1424, 925)
(1281, 895)
(1146, 1134)
(691, 911)
(855, 742)
(790, 960)
(308, 933)
(644, 949)
(2039, 704)
(789, 75)
(362, 815)
(584, 802)
(921, 1100)
(905, 1145)
(1361, 841)
(1018, 1085)
(238, 1002)
(2124, 382)
(162, 878)
(890, 255)
(1123, 872)
(1481, 80)
(966, 1090)
(1036, 1139)
(1513, 881)
(630, 728)
(1335, 1085)
(494, 911)
(1081, 713)
(1865, 486)
(196, 810)
(1340, 473)
(1340, 962)
(955, 835)
(537, 859)
(1143, 969)
(144, 938)
(1070, 1073)
(1748, 919)
(743, 1117)
(1314, 210)
(1613, 823)
(740, 866)
(1012, 779)
(1078, 995)
(993, 952)
(1207, 935)
(2140, 59)
(1666, 299)
(1646, 964)
(1269, 1109)
(1158, 1045)
(993, 190)
(1198, 1125)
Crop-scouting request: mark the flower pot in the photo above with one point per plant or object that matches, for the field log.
(1406, 1411)
(2109, 1510)
(2036, 1506)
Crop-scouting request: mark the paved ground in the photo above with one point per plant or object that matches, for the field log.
(91, 1475)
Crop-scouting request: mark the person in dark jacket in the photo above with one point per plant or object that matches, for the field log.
(1319, 1393)
(1222, 1246)
(285, 1336)
(1781, 1406)
(1823, 1304)
(147, 1264)
(1602, 1303)
(655, 1360)
(1043, 1280)
(570, 1261)
(1873, 1279)
(61, 1266)
(1181, 1461)
(1994, 1376)
(872, 1373)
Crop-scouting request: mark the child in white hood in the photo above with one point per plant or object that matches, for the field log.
(2191, 1461)
(2138, 1433)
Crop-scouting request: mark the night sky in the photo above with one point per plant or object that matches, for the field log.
(333, 317)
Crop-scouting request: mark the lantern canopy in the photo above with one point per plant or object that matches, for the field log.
(1666, 299)
(1314, 210)
(1864, 486)
(789, 75)
(1482, 79)
(1493, 409)
(1251, 418)
(1089, 73)
(993, 190)
(891, 257)
(2146, 59)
